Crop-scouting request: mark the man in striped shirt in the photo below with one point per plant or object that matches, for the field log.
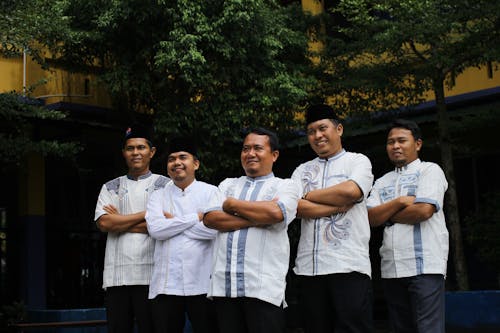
(251, 250)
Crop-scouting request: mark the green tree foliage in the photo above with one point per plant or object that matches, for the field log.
(31, 26)
(18, 118)
(387, 53)
(28, 26)
(205, 68)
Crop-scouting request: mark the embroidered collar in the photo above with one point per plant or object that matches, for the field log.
(271, 175)
(334, 157)
(188, 188)
(407, 166)
(144, 176)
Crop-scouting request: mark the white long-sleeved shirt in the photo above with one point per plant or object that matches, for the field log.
(128, 258)
(184, 246)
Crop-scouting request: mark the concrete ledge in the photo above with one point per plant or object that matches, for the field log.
(91, 320)
(473, 311)
(76, 320)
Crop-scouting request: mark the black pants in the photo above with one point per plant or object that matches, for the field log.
(126, 303)
(416, 304)
(337, 303)
(169, 314)
(248, 315)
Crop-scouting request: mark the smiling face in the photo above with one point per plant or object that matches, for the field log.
(324, 136)
(402, 148)
(181, 167)
(137, 154)
(257, 157)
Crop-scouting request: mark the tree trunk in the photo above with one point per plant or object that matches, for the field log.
(451, 204)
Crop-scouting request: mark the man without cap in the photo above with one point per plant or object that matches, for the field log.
(408, 202)
(128, 260)
(252, 250)
(184, 246)
(333, 261)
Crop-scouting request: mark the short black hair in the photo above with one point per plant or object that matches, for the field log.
(273, 137)
(409, 125)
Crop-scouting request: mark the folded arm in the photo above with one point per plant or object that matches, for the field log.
(112, 221)
(140, 228)
(343, 194)
(163, 225)
(259, 212)
(199, 231)
(415, 213)
(388, 211)
(224, 222)
(312, 210)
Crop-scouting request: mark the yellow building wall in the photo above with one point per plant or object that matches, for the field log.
(473, 79)
(313, 7)
(53, 85)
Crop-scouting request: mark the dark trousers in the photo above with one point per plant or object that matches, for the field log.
(169, 314)
(337, 303)
(126, 303)
(248, 315)
(416, 304)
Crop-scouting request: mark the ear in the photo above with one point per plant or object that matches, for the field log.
(196, 164)
(419, 144)
(153, 152)
(340, 129)
(275, 154)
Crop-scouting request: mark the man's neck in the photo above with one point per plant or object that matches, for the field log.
(184, 184)
(132, 174)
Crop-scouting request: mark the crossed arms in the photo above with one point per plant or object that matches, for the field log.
(238, 214)
(402, 209)
(113, 221)
(328, 201)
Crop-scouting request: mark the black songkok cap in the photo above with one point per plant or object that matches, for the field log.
(137, 131)
(318, 112)
(183, 144)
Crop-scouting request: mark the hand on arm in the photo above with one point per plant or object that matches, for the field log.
(343, 194)
(415, 213)
(140, 228)
(199, 231)
(163, 225)
(386, 211)
(224, 222)
(115, 222)
(259, 212)
(309, 209)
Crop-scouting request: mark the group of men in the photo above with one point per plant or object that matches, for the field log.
(221, 254)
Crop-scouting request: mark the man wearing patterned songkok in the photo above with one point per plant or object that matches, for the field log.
(128, 261)
(408, 202)
(332, 260)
